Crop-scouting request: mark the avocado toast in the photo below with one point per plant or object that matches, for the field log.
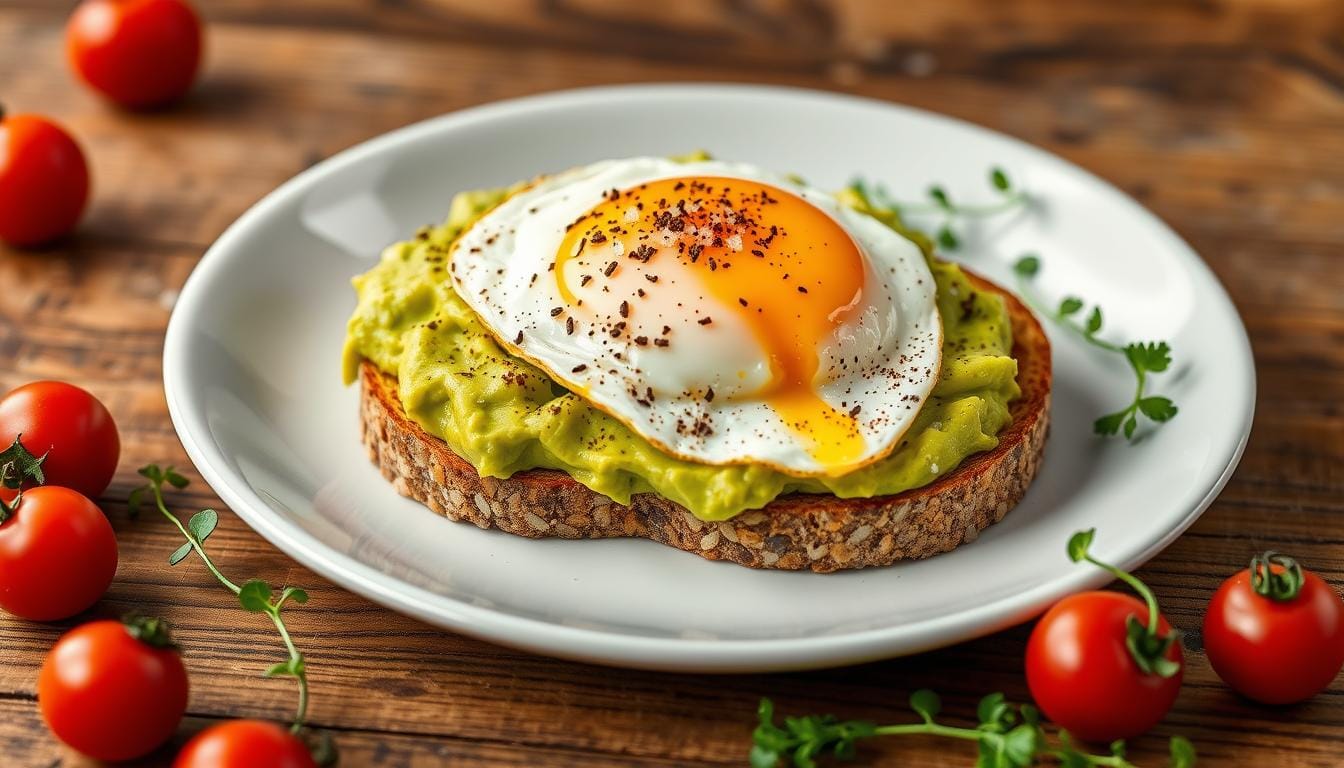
(462, 418)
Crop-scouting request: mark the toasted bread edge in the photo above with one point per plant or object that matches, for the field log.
(795, 532)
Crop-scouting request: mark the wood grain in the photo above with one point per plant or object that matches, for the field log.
(1221, 115)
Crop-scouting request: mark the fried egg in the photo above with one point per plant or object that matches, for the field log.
(725, 314)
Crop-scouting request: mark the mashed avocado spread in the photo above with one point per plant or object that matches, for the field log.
(504, 415)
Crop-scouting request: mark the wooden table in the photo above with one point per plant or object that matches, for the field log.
(1226, 117)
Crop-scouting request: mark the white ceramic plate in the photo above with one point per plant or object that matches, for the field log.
(251, 367)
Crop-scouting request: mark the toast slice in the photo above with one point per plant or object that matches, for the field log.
(794, 532)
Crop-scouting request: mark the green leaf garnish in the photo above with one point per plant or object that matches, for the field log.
(1147, 645)
(998, 178)
(877, 201)
(180, 554)
(1069, 306)
(947, 238)
(926, 704)
(202, 524)
(1182, 752)
(940, 198)
(255, 595)
(1027, 266)
(1143, 358)
(1008, 736)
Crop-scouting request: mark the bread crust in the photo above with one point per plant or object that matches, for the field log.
(794, 532)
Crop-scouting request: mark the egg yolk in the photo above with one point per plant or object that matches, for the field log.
(783, 267)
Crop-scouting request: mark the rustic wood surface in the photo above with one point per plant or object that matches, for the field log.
(1226, 117)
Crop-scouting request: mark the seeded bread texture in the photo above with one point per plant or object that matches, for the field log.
(794, 532)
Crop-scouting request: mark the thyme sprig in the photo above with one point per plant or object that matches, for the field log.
(1144, 358)
(1007, 736)
(939, 202)
(255, 595)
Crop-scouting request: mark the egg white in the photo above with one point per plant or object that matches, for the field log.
(500, 266)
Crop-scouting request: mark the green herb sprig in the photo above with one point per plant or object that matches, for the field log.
(1144, 358)
(1007, 736)
(940, 202)
(1145, 641)
(17, 468)
(255, 596)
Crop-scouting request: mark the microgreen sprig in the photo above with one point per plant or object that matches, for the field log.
(1146, 644)
(1007, 736)
(17, 467)
(940, 202)
(255, 596)
(1144, 358)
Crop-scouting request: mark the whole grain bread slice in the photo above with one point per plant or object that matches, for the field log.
(799, 531)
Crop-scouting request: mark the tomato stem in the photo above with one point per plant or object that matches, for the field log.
(148, 630)
(1280, 586)
(7, 509)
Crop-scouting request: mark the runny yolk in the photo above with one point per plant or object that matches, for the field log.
(782, 266)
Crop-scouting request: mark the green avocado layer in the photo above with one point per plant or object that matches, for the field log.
(504, 415)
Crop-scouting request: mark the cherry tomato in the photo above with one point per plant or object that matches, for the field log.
(245, 744)
(138, 53)
(1277, 636)
(57, 555)
(113, 691)
(69, 423)
(1083, 676)
(44, 181)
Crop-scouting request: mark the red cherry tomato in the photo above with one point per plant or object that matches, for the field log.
(57, 555)
(245, 744)
(138, 53)
(1276, 638)
(1084, 678)
(111, 695)
(44, 181)
(71, 426)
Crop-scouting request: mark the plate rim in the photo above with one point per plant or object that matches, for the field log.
(605, 646)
